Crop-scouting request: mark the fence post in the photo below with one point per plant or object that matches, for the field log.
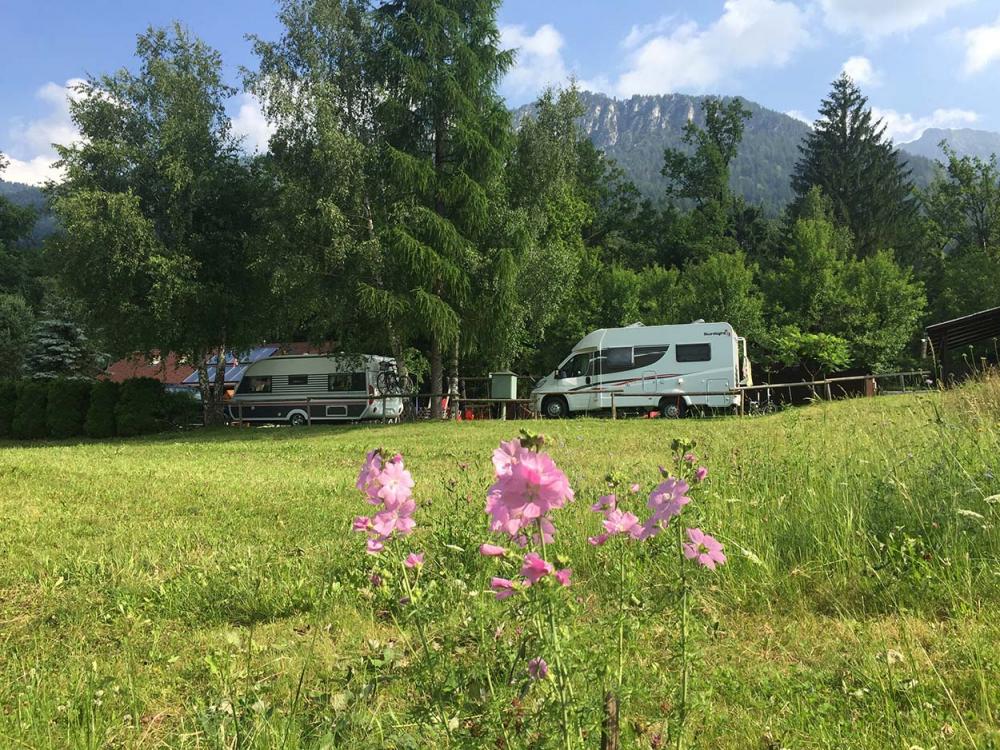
(829, 391)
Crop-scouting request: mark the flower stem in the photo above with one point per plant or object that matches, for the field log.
(621, 614)
(682, 708)
(557, 654)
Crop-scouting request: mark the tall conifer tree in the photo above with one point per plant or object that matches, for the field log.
(849, 157)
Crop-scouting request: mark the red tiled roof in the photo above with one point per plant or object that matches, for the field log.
(168, 370)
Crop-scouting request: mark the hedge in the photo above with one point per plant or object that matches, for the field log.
(100, 421)
(67, 407)
(140, 407)
(8, 400)
(29, 414)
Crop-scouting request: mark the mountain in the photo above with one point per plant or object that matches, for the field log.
(31, 197)
(965, 141)
(636, 131)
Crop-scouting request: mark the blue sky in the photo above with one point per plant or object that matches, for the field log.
(923, 63)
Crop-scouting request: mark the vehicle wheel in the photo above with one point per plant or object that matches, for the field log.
(671, 408)
(555, 407)
(297, 419)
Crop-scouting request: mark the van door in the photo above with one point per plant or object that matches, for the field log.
(574, 381)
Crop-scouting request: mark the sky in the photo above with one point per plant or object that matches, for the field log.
(922, 63)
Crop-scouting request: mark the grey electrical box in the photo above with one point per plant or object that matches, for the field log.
(503, 385)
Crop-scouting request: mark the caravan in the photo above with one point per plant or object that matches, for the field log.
(309, 388)
(648, 368)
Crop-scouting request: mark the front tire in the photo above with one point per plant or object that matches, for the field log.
(671, 408)
(298, 419)
(555, 407)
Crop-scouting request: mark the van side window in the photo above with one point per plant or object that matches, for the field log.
(298, 380)
(258, 384)
(616, 359)
(647, 356)
(577, 367)
(348, 381)
(694, 352)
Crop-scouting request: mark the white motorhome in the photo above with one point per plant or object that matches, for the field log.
(317, 388)
(647, 368)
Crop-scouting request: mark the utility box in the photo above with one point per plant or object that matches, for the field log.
(503, 385)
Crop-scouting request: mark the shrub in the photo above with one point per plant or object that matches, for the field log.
(66, 408)
(29, 413)
(181, 409)
(8, 400)
(140, 407)
(100, 421)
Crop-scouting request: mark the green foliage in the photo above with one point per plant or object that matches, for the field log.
(849, 157)
(723, 286)
(100, 419)
(963, 204)
(66, 407)
(29, 422)
(16, 325)
(139, 410)
(181, 409)
(59, 348)
(8, 405)
(816, 353)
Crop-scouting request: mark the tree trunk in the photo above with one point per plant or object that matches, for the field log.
(213, 390)
(437, 375)
(453, 381)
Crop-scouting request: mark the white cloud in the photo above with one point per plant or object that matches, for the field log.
(539, 60)
(982, 47)
(798, 114)
(250, 124)
(28, 143)
(903, 127)
(861, 71)
(878, 18)
(748, 34)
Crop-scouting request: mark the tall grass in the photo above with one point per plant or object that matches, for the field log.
(204, 590)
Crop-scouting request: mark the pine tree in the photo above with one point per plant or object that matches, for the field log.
(446, 134)
(849, 157)
(59, 348)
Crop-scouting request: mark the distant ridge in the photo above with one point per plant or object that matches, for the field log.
(965, 141)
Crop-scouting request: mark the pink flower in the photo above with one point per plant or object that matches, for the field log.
(634, 489)
(503, 587)
(606, 502)
(395, 483)
(538, 669)
(619, 522)
(370, 469)
(414, 560)
(704, 549)
(506, 456)
(535, 568)
(491, 550)
(397, 520)
(563, 576)
(361, 523)
(690, 458)
(598, 540)
(667, 500)
(700, 474)
(374, 546)
(376, 580)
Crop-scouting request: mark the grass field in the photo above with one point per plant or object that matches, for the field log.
(204, 590)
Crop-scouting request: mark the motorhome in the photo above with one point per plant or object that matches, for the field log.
(667, 369)
(316, 388)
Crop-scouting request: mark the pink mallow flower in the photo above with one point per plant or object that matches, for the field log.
(700, 474)
(395, 483)
(619, 522)
(414, 560)
(535, 568)
(634, 489)
(538, 668)
(690, 458)
(563, 576)
(491, 550)
(598, 540)
(704, 549)
(370, 469)
(374, 546)
(361, 523)
(528, 486)
(605, 502)
(503, 587)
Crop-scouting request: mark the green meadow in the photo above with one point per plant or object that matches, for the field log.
(204, 590)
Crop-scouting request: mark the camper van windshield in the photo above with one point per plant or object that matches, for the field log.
(575, 368)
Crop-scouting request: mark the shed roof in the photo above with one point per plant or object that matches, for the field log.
(968, 329)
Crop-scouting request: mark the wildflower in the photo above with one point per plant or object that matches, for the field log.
(370, 469)
(538, 668)
(414, 560)
(395, 483)
(376, 580)
(690, 458)
(634, 489)
(491, 550)
(535, 568)
(528, 486)
(563, 576)
(503, 587)
(361, 523)
(700, 474)
(666, 501)
(388, 485)
(704, 549)
(619, 522)
(605, 502)
(395, 520)
(374, 546)
(598, 540)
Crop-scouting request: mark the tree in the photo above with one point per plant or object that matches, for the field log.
(446, 129)
(723, 287)
(816, 353)
(702, 175)
(159, 207)
(59, 348)
(16, 324)
(849, 157)
(963, 203)
(15, 225)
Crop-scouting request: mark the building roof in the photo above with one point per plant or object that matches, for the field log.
(969, 329)
(169, 370)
